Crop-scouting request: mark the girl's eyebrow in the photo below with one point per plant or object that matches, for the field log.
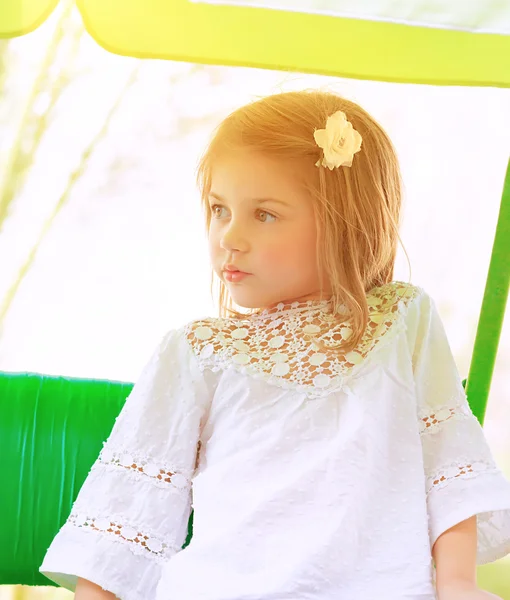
(254, 200)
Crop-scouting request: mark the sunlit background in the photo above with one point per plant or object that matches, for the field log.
(102, 237)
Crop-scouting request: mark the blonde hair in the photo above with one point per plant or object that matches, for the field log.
(357, 209)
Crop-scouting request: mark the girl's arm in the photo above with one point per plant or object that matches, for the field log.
(455, 554)
(86, 590)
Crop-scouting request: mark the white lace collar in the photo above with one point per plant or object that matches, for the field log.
(303, 309)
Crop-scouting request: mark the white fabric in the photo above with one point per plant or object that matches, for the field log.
(312, 475)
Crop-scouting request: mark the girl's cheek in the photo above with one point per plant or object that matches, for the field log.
(275, 257)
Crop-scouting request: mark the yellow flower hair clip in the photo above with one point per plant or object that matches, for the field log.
(339, 141)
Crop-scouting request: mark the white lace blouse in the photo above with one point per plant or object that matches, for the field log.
(312, 475)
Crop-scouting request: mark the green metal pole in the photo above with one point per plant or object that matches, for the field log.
(492, 312)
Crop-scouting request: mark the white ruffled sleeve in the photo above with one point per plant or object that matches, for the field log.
(462, 478)
(131, 514)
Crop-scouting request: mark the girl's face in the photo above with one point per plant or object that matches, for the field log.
(262, 221)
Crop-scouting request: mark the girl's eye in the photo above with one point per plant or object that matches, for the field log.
(215, 206)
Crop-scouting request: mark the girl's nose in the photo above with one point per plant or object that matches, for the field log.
(233, 237)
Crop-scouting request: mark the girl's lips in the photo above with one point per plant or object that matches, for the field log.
(235, 275)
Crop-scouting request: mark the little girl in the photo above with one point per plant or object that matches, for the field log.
(323, 439)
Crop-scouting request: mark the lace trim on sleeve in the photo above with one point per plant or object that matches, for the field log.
(431, 420)
(141, 543)
(160, 475)
(463, 467)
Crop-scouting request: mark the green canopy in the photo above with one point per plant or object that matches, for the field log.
(437, 42)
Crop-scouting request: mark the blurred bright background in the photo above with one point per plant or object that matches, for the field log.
(101, 231)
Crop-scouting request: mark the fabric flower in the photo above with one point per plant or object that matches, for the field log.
(340, 141)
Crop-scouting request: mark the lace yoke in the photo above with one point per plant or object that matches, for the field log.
(278, 345)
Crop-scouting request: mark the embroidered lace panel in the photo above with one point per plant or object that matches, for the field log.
(459, 468)
(160, 475)
(139, 542)
(271, 345)
(431, 420)
(463, 467)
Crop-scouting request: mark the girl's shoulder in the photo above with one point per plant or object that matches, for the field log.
(397, 290)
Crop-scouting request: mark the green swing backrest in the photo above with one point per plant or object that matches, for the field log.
(52, 429)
